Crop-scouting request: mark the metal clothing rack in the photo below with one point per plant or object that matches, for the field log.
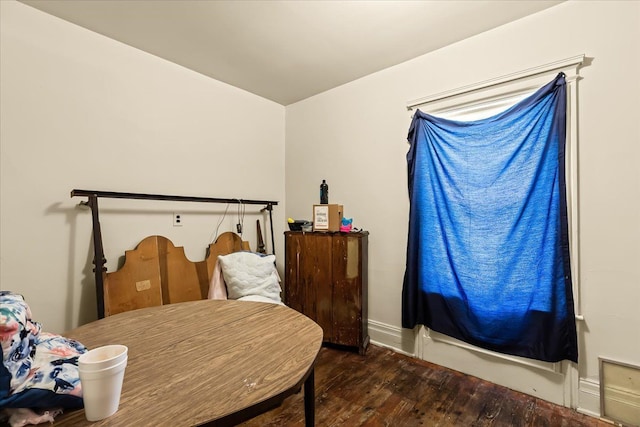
(99, 260)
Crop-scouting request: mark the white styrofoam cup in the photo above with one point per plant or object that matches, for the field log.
(101, 388)
(102, 357)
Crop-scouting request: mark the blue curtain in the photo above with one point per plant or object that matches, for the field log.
(488, 250)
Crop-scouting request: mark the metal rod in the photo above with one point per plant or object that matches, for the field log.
(120, 195)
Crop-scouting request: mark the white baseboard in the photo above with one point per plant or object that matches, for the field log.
(589, 397)
(397, 339)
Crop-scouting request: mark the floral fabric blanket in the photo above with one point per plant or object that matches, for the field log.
(39, 369)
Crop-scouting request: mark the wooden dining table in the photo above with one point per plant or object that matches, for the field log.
(210, 362)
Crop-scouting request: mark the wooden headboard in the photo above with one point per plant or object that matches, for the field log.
(157, 272)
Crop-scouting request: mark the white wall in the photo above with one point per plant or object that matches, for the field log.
(355, 137)
(79, 110)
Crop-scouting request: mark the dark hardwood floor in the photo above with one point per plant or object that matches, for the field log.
(385, 388)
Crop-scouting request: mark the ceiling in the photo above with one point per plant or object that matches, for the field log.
(286, 50)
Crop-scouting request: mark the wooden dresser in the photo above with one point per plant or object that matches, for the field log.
(326, 280)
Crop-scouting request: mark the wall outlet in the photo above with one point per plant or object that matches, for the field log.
(177, 220)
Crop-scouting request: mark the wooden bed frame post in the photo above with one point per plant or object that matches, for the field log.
(273, 242)
(98, 254)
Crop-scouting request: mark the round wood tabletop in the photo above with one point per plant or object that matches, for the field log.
(197, 362)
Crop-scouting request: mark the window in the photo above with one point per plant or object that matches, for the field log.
(491, 97)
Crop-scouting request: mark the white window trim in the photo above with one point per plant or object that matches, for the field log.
(571, 64)
(498, 94)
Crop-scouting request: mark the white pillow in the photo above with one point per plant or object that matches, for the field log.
(248, 273)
